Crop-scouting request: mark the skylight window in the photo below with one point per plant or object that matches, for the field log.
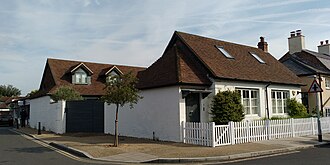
(224, 52)
(257, 58)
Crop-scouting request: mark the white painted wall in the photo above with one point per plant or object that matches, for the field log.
(51, 115)
(232, 85)
(157, 112)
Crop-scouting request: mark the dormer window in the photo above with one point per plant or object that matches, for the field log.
(258, 58)
(80, 77)
(114, 71)
(110, 75)
(224, 52)
(81, 74)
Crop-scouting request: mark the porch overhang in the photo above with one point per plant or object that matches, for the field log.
(186, 92)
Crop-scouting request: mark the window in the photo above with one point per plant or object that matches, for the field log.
(327, 83)
(110, 75)
(80, 77)
(257, 58)
(279, 102)
(327, 111)
(224, 52)
(250, 101)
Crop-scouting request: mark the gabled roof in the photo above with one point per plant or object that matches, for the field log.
(58, 73)
(307, 62)
(114, 68)
(82, 65)
(191, 59)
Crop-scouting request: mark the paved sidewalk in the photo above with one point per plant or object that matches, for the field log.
(134, 150)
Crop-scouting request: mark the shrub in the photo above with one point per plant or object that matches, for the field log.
(296, 109)
(227, 106)
(66, 93)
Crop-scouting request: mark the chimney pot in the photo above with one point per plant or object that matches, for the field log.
(298, 32)
(321, 42)
(262, 44)
(326, 41)
(293, 33)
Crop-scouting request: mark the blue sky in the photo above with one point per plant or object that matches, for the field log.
(132, 32)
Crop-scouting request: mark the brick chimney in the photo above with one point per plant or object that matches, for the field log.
(324, 47)
(296, 41)
(263, 45)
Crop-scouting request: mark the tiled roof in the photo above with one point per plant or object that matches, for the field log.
(57, 73)
(307, 62)
(243, 67)
(174, 68)
(192, 59)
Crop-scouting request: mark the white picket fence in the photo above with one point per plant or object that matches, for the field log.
(209, 134)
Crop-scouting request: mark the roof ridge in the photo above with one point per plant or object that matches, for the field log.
(229, 42)
(94, 63)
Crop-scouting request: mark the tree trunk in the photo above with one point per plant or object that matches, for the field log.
(116, 128)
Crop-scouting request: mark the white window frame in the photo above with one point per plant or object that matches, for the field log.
(80, 77)
(248, 110)
(327, 83)
(282, 108)
(327, 111)
(110, 75)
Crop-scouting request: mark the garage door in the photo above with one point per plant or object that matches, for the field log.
(85, 116)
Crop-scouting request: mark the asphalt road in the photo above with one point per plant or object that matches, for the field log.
(18, 150)
(317, 156)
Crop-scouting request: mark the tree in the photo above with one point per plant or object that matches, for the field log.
(120, 90)
(296, 109)
(66, 93)
(9, 91)
(227, 106)
(32, 93)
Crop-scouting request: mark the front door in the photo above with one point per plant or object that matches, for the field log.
(192, 107)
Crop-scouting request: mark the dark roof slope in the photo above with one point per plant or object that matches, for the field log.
(243, 67)
(307, 62)
(59, 71)
(175, 67)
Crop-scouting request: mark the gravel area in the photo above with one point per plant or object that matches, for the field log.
(100, 145)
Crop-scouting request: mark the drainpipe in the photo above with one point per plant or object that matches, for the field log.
(321, 100)
(267, 104)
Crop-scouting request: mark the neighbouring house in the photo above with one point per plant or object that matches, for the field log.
(89, 80)
(180, 85)
(306, 64)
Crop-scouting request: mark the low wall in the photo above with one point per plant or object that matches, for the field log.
(51, 115)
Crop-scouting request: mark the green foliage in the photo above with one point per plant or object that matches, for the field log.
(32, 93)
(227, 106)
(66, 93)
(9, 91)
(276, 118)
(120, 90)
(296, 109)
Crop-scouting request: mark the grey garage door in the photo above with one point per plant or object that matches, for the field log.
(85, 116)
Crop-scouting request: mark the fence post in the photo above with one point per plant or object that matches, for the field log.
(292, 127)
(312, 121)
(267, 129)
(248, 130)
(213, 134)
(184, 131)
(232, 132)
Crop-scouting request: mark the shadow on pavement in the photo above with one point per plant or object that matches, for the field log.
(30, 150)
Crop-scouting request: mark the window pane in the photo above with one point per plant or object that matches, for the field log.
(245, 94)
(273, 95)
(83, 78)
(246, 110)
(279, 106)
(255, 110)
(254, 94)
(274, 105)
(279, 96)
(285, 95)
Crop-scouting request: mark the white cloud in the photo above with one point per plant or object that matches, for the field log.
(136, 32)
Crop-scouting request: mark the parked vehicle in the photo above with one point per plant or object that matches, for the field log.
(6, 119)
